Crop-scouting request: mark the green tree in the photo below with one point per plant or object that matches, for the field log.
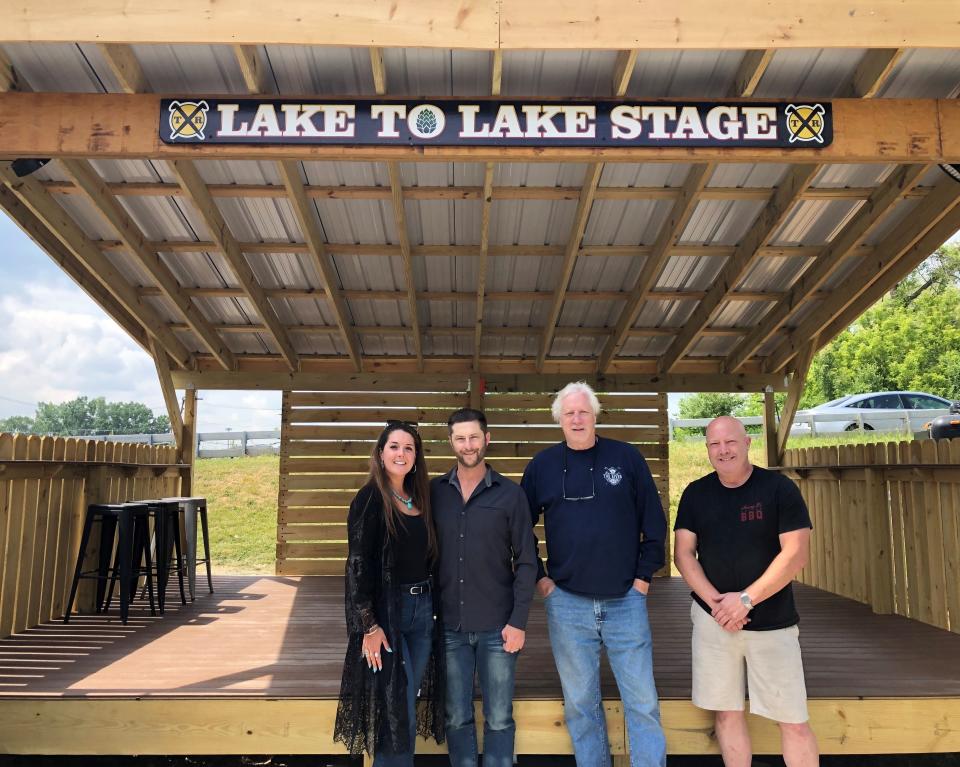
(97, 416)
(17, 424)
(710, 405)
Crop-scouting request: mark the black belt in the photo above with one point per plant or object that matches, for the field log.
(415, 589)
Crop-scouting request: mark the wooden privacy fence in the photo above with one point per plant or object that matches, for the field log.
(886, 525)
(326, 439)
(45, 485)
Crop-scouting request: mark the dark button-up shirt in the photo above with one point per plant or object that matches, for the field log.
(487, 553)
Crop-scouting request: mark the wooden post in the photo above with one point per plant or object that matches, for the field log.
(770, 428)
(186, 450)
(794, 392)
(478, 387)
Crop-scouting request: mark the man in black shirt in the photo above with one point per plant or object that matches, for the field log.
(742, 534)
(487, 573)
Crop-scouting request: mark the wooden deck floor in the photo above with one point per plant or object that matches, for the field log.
(274, 637)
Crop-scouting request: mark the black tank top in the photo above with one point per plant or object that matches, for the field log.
(410, 550)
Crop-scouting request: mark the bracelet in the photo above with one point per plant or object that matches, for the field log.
(374, 630)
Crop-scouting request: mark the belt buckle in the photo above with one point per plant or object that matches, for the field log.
(415, 590)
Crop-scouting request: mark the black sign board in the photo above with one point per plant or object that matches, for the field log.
(497, 123)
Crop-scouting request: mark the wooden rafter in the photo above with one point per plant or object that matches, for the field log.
(875, 210)
(744, 256)
(162, 363)
(195, 189)
(669, 233)
(406, 253)
(36, 230)
(906, 264)
(941, 203)
(465, 296)
(123, 126)
(8, 75)
(87, 179)
(290, 173)
(484, 258)
(161, 189)
(125, 67)
(58, 221)
(751, 70)
(873, 71)
(496, 82)
(468, 332)
(584, 205)
(623, 71)
(251, 67)
(379, 71)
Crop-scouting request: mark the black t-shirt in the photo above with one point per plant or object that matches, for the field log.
(410, 550)
(738, 531)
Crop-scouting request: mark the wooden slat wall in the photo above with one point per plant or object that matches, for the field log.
(326, 439)
(886, 525)
(41, 512)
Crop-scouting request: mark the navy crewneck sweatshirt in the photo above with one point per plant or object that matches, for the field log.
(594, 545)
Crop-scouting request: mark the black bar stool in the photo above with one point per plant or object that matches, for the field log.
(127, 524)
(166, 528)
(193, 508)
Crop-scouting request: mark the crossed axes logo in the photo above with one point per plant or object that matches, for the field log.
(188, 119)
(805, 122)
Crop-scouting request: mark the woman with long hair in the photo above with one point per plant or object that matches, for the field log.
(393, 648)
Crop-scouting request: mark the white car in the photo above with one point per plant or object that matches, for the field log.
(893, 411)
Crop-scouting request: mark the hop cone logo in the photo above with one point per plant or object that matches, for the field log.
(426, 121)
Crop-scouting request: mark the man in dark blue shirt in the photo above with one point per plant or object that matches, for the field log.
(605, 532)
(487, 572)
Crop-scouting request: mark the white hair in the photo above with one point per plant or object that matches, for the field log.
(575, 387)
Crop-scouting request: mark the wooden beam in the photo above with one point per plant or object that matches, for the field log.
(669, 233)
(941, 204)
(125, 67)
(343, 192)
(591, 180)
(496, 72)
(873, 71)
(162, 364)
(58, 221)
(482, 266)
(623, 71)
(490, 24)
(770, 427)
(9, 81)
(759, 234)
(251, 67)
(195, 189)
(125, 126)
(290, 173)
(751, 70)
(875, 210)
(798, 378)
(37, 231)
(400, 218)
(187, 448)
(470, 296)
(87, 179)
(379, 71)
(522, 374)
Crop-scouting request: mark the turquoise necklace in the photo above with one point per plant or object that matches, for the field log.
(408, 502)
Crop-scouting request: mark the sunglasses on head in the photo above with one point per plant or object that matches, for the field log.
(410, 424)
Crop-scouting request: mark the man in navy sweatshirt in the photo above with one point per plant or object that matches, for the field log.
(605, 532)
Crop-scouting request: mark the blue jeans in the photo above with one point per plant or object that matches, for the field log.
(480, 651)
(416, 639)
(579, 626)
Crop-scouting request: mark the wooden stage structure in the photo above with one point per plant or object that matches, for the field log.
(255, 668)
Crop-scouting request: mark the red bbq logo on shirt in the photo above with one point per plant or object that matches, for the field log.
(752, 512)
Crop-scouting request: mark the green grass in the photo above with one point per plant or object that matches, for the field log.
(242, 496)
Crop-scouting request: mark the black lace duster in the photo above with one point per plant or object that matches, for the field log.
(372, 597)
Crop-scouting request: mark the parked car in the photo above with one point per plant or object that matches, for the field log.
(873, 411)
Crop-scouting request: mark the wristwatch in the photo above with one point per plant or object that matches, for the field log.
(745, 600)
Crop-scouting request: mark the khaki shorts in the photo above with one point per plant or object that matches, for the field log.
(768, 662)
